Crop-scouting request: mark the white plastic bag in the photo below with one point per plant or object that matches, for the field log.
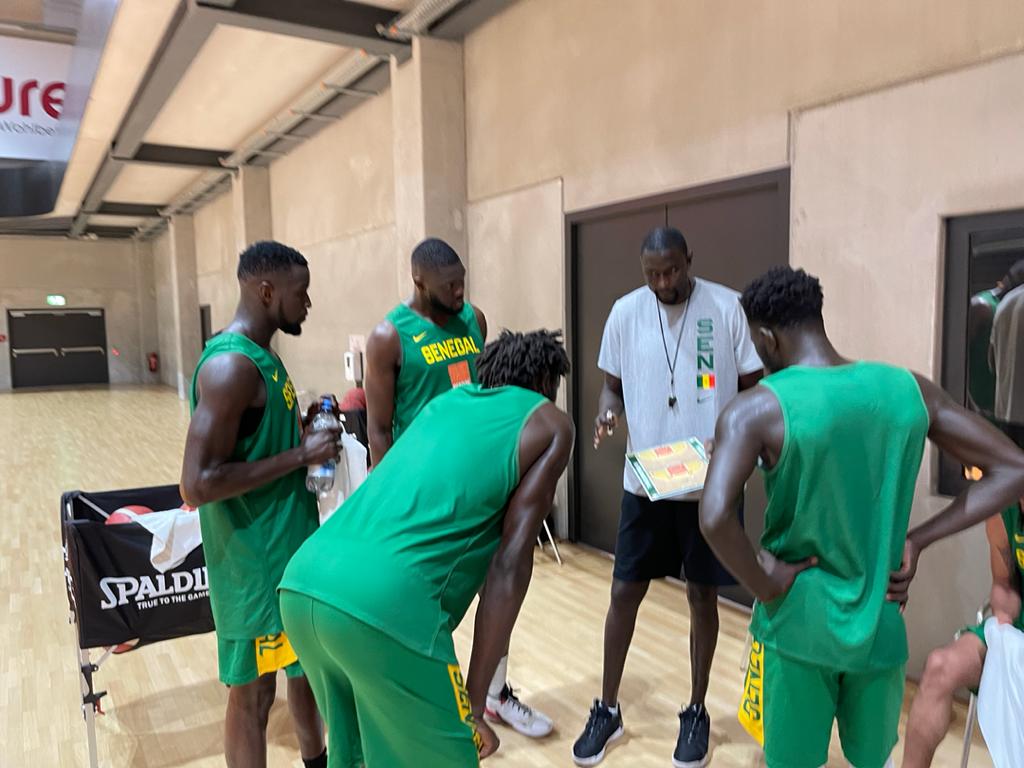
(350, 473)
(1001, 694)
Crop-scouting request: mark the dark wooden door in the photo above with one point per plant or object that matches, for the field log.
(737, 230)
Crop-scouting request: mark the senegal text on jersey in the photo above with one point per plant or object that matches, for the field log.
(449, 349)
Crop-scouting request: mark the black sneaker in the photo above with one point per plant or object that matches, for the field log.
(601, 730)
(692, 745)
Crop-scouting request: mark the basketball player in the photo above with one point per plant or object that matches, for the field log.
(371, 599)
(981, 377)
(840, 443)
(244, 467)
(959, 664)
(423, 348)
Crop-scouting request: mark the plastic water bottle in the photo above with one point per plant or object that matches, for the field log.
(320, 477)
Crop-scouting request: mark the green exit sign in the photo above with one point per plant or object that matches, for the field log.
(56, 299)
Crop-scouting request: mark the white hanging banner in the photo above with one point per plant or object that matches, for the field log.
(32, 81)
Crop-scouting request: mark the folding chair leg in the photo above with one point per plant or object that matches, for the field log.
(551, 538)
(972, 717)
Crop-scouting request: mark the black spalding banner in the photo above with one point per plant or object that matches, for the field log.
(114, 591)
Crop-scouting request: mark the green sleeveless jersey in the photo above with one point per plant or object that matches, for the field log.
(1012, 519)
(249, 539)
(409, 550)
(981, 379)
(434, 359)
(842, 490)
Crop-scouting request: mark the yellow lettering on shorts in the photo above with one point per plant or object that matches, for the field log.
(462, 702)
(274, 652)
(751, 712)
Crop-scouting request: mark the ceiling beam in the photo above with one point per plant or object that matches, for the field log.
(179, 157)
(188, 31)
(119, 233)
(340, 22)
(128, 209)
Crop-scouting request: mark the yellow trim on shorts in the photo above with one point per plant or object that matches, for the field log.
(273, 652)
(751, 710)
(462, 702)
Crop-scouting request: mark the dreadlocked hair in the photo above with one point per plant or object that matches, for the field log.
(523, 359)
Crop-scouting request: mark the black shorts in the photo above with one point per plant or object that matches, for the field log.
(663, 538)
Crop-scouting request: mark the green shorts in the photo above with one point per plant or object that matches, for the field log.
(789, 707)
(383, 703)
(975, 629)
(242, 661)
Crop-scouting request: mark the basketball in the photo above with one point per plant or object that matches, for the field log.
(127, 514)
(125, 647)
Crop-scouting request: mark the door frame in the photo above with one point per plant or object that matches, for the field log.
(952, 311)
(774, 178)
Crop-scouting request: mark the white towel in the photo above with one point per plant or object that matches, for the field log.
(349, 475)
(175, 534)
(1001, 694)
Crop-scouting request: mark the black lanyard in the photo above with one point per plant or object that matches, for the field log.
(672, 400)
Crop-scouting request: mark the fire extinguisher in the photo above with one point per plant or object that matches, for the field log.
(154, 362)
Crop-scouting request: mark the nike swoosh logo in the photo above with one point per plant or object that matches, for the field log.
(419, 338)
(275, 376)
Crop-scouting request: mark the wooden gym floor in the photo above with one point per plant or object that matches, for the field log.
(165, 706)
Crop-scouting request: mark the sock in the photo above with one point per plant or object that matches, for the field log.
(614, 710)
(316, 762)
(498, 681)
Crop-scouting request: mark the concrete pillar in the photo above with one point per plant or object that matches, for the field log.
(250, 195)
(187, 339)
(145, 291)
(429, 125)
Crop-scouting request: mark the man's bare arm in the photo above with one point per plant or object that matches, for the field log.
(512, 564)
(1005, 597)
(746, 429)
(383, 358)
(481, 321)
(974, 442)
(228, 385)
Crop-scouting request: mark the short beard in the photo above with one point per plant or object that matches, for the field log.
(442, 308)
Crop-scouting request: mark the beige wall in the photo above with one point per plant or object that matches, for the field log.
(667, 94)
(105, 274)
(516, 273)
(351, 288)
(339, 183)
(333, 199)
(217, 259)
(872, 179)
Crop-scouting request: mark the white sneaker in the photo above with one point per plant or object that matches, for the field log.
(508, 709)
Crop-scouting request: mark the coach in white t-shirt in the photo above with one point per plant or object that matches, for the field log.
(674, 353)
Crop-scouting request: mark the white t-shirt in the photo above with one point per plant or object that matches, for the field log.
(1007, 352)
(714, 352)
